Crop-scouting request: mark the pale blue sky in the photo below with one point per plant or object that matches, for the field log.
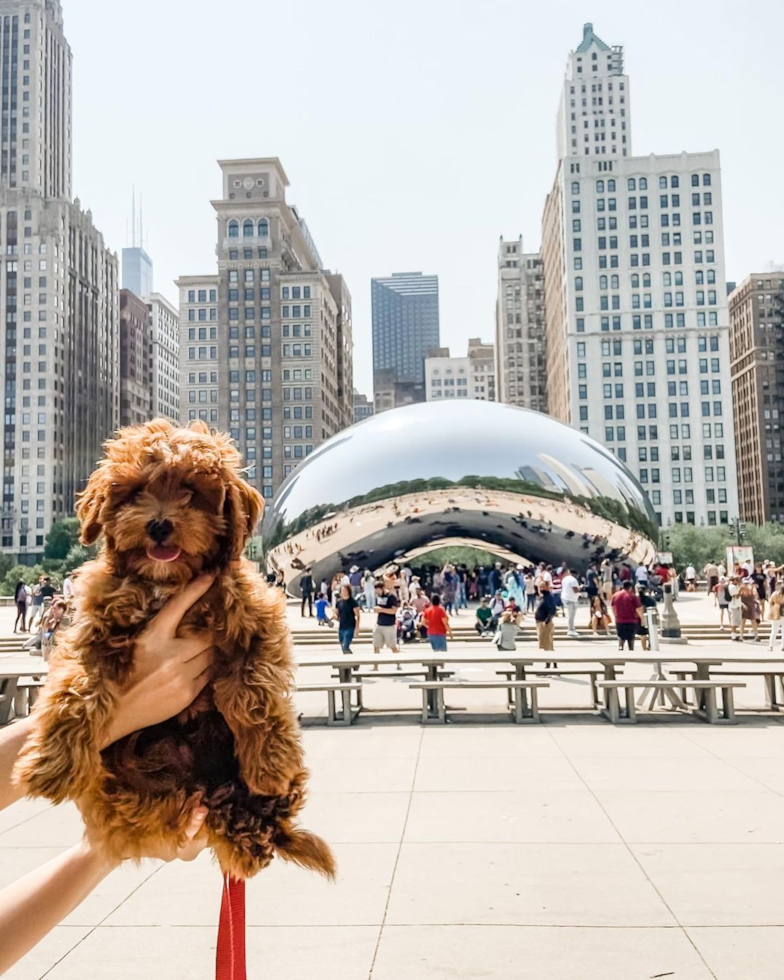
(413, 133)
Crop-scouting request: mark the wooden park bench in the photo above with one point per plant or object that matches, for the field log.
(522, 710)
(347, 714)
(709, 712)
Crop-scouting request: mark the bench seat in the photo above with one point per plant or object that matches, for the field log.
(522, 712)
(708, 711)
(347, 714)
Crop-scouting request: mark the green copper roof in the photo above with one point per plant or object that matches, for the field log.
(590, 38)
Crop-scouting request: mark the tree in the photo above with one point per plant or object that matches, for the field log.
(63, 535)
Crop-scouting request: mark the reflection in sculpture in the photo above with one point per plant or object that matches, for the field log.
(493, 476)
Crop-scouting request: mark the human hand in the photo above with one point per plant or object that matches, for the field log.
(194, 842)
(168, 672)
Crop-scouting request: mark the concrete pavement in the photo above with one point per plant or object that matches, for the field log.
(478, 850)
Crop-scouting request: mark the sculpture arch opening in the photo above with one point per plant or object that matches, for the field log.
(468, 470)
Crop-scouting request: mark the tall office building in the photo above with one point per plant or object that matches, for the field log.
(519, 333)
(36, 123)
(137, 271)
(405, 327)
(135, 374)
(265, 346)
(633, 257)
(164, 322)
(58, 285)
(594, 117)
(757, 365)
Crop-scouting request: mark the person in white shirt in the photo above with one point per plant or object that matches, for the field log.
(691, 578)
(641, 575)
(736, 609)
(570, 596)
(67, 588)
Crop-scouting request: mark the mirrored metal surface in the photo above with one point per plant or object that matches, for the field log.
(502, 478)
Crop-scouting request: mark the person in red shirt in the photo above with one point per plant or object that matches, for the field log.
(437, 623)
(627, 611)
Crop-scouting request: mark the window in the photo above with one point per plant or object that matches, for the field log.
(234, 229)
(263, 228)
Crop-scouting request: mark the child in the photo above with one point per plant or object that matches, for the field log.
(483, 617)
(323, 610)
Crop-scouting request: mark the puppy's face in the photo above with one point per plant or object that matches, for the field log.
(170, 502)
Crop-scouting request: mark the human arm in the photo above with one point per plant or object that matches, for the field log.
(31, 907)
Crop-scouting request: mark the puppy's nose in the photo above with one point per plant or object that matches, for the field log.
(159, 531)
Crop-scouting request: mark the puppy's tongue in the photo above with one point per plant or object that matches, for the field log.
(160, 552)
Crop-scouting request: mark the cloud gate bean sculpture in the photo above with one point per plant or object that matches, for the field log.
(510, 481)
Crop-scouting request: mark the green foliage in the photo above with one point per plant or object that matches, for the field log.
(456, 555)
(24, 573)
(62, 536)
(691, 545)
(77, 556)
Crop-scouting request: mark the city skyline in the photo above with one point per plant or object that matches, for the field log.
(402, 208)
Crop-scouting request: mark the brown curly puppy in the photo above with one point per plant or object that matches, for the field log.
(171, 504)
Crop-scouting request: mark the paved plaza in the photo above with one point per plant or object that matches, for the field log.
(480, 849)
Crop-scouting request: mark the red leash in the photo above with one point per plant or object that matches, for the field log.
(230, 960)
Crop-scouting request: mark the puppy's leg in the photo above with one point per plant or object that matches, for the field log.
(61, 758)
(257, 709)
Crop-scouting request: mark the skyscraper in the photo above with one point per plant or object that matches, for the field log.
(137, 271)
(594, 117)
(633, 256)
(757, 365)
(519, 334)
(135, 375)
(265, 346)
(60, 347)
(165, 357)
(405, 326)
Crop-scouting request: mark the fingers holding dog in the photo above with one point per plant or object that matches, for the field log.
(169, 618)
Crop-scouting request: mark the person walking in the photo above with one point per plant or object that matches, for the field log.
(775, 605)
(306, 587)
(626, 609)
(735, 607)
(750, 610)
(711, 573)
(369, 588)
(544, 614)
(570, 597)
(20, 600)
(722, 597)
(437, 622)
(347, 609)
(385, 633)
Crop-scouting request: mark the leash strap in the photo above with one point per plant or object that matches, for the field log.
(230, 959)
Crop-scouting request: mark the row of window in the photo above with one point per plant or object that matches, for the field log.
(200, 296)
(249, 228)
(641, 183)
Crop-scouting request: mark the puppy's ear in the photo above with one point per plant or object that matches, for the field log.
(243, 509)
(89, 506)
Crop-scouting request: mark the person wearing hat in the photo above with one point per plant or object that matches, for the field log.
(497, 607)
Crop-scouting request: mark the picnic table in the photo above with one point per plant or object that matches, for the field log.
(604, 694)
(432, 664)
(12, 671)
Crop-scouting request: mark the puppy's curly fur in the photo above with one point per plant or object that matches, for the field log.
(238, 748)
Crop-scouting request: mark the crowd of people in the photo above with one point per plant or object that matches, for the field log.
(41, 610)
(746, 596)
(412, 607)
